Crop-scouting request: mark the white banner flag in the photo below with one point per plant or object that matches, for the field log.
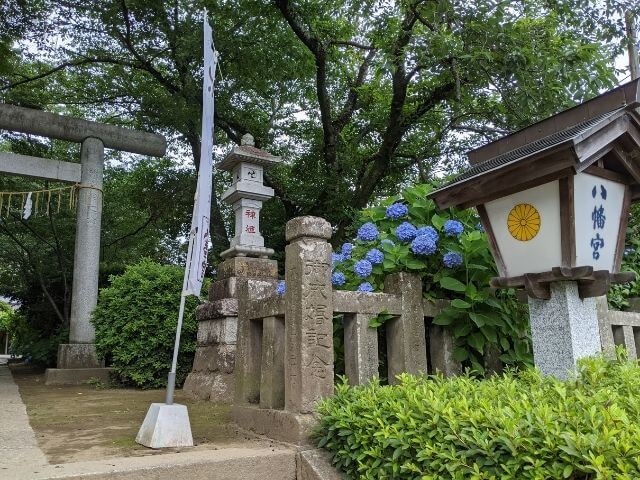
(200, 233)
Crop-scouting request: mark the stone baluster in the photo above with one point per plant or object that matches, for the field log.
(441, 345)
(272, 373)
(249, 348)
(360, 348)
(406, 345)
(308, 313)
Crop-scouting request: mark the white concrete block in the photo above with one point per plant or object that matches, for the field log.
(166, 426)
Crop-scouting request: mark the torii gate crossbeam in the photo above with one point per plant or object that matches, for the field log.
(77, 361)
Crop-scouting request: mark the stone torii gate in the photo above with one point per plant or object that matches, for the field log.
(77, 360)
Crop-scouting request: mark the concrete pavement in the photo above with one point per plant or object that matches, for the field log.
(18, 445)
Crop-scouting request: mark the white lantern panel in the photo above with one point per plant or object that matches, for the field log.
(597, 207)
(526, 226)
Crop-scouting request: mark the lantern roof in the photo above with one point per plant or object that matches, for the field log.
(605, 129)
(249, 153)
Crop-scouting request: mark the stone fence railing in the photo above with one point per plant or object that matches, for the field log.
(285, 358)
(272, 356)
(620, 328)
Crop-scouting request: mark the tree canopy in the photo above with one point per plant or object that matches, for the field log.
(358, 97)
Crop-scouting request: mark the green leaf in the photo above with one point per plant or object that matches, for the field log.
(415, 264)
(452, 284)
(460, 303)
(461, 330)
(438, 222)
(460, 354)
(443, 318)
(476, 340)
(479, 319)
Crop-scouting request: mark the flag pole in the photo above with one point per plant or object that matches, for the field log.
(167, 424)
(171, 380)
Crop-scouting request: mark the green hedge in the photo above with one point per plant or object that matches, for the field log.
(136, 320)
(516, 426)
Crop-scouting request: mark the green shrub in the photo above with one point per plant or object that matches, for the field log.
(619, 294)
(515, 426)
(136, 320)
(36, 345)
(478, 317)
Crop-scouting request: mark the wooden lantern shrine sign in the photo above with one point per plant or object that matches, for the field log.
(554, 197)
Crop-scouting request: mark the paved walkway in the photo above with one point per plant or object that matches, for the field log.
(18, 445)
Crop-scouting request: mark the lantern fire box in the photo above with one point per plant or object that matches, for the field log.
(554, 198)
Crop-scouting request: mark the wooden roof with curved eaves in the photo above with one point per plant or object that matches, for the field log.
(600, 136)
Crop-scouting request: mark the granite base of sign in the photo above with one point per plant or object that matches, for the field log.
(166, 426)
(563, 330)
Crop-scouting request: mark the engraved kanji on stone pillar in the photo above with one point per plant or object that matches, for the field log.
(308, 314)
(406, 344)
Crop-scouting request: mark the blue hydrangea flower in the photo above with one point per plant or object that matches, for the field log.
(479, 227)
(347, 248)
(423, 245)
(429, 232)
(336, 258)
(452, 259)
(363, 268)
(453, 228)
(368, 232)
(281, 288)
(387, 241)
(375, 256)
(396, 211)
(406, 232)
(365, 287)
(338, 279)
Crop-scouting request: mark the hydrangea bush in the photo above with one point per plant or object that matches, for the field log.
(451, 254)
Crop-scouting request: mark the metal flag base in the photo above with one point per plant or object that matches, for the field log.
(166, 426)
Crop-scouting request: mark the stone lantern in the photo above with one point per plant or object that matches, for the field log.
(246, 194)
(554, 199)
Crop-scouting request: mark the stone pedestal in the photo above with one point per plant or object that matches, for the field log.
(563, 329)
(77, 364)
(212, 377)
(78, 355)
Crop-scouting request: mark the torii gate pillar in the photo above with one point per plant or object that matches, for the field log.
(77, 360)
(80, 351)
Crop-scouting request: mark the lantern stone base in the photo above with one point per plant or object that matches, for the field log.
(563, 329)
(212, 375)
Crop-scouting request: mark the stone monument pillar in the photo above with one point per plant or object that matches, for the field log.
(308, 367)
(211, 377)
(563, 329)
